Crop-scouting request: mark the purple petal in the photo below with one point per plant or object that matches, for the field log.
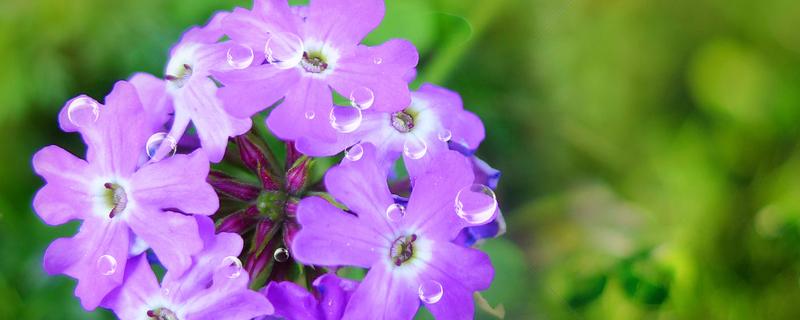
(131, 300)
(117, 139)
(252, 90)
(173, 236)
(304, 112)
(431, 207)
(334, 294)
(359, 70)
(177, 182)
(152, 92)
(207, 262)
(461, 271)
(361, 185)
(292, 301)
(252, 28)
(383, 294)
(198, 100)
(209, 33)
(227, 298)
(66, 195)
(343, 22)
(96, 256)
(329, 236)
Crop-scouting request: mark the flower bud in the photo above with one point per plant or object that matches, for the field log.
(297, 175)
(252, 155)
(239, 221)
(226, 185)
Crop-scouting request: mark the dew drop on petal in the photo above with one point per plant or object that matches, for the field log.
(395, 212)
(445, 135)
(281, 255)
(161, 140)
(345, 119)
(231, 266)
(377, 60)
(107, 265)
(476, 204)
(354, 153)
(165, 291)
(284, 50)
(414, 147)
(240, 56)
(83, 111)
(310, 115)
(362, 98)
(430, 291)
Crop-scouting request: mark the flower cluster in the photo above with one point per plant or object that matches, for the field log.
(181, 174)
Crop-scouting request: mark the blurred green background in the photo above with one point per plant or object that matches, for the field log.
(649, 148)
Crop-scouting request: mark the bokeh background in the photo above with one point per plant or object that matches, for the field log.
(649, 148)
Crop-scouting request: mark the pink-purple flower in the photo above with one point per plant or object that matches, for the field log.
(309, 57)
(121, 199)
(408, 251)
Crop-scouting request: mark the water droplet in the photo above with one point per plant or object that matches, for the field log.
(445, 135)
(281, 255)
(362, 98)
(107, 265)
(159, 139)
(414, 147)
(430, 291)
(345, 119)
(165, 291)
(377, 60)
(310, 115)
(395, 212)
(240, 56)
(83, 111)
(232, 267)
(355, 152)
(284, 50)
(476, 204)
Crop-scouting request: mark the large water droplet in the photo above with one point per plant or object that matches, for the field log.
(281, 255)
(395, 212)
(240, 56)
(414, 147)
(284, 50)
(445, 135)
(430, 291)
(355, 152)
(345, 119)
(231, 266)
(161, 140)
(362, 98)
(107, 265)
(476, 204)
(310, 115)
(83, 111)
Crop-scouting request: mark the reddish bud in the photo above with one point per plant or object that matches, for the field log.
(226, 185)
(297, 175)
(291, 154)
(268, 180)
(252, 155)
(239, 221)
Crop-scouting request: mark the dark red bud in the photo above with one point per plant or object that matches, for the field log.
(290, 229)
(297, 175)
(226, 185)
(291, 154)
(252, 155)
(268, 180)
(262, 234)
(239, 221)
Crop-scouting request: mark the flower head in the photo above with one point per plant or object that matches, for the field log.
(309, 54)
(408, 250)
(121, 199)
(189, 92)
(215, 287)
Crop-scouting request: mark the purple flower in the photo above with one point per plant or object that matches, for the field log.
(191, 94)
(420, 132)
(295, 302)
(215, 287)
(408, 251)
(120, 202)
(309, 53)
(490, 177)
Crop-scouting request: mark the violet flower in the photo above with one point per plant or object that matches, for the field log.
(215, 287)
(191, 94)
(408, 251)
(119, 201)
(295, 302)
(309, 53)
(422, 131)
